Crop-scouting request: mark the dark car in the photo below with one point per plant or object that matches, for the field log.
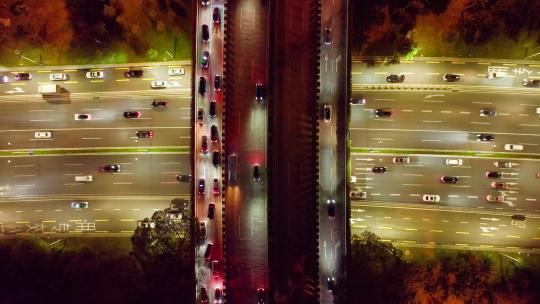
(134, 73)
(259, 92)
(217, 82)
(205, 59)
(203, 296)
(493, 174)
(183, 178)
(214, 136)
(485, 137)
(144, 134)
(378, 170)
(23, 76)
(160, 103)
(208, 251)
(331, 283)
(200, 116)
(327, 35)
(449, 179)
(327, 113)
(531, 83)
(261, 296)
(212, 109)
(211, 211)
(110, 168)
(202, 186)
(205, 33)
(218, 295)
(202, 85)
(204, 143)
(132, 114)
(256, 172)
(450, 77)
(216, 158)
(331, 207)
(395, 78)
(360, 100)
(205, 2)
(383, 112)
(488, 112)
(216, 15)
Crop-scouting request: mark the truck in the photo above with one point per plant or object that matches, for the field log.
(232, 167)
(49, 89)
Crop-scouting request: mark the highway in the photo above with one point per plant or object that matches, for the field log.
(246, 136)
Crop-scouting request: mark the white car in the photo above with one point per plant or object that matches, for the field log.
(43, 134)
(158, 84)
(358, 194)
(176, 71)
(431, 198)
(94, 74)
(512, 147)
(83, 116)
(79, 205)
(401, 160)
(57, 76)
(495, 198)
(453, 162)
(4, 79)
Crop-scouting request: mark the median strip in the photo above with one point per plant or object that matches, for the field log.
(478, 154)
(81, 151)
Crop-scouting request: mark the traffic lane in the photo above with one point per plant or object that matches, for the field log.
(140, 174)
(424, 225)
(384, 136)
(422, 176)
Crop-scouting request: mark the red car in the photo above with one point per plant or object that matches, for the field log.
(215, 187)
(204, 144)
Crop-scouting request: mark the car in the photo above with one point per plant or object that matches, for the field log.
(327, 113)
(495, 198)
(499, 185)
(158, 84)
(215, 268)
(485, 137)
(160, 103)
(331, 207)
(205, 59)
(256, 172)
(203, 296)
(202, 85)
(215, 186)
(450, 77)
(212, 109)
(327, 35)
(79, 205)
(503, 164)
(94, 74)
(202, 186)
(531, 82)
(3, 79)
(208, 251)
(493, 174)
(513, 147)
(176, 71)
(259, 92)
(216, 158)
(453, 162)
(205, 2)
(217, 82)
(134, 73)
(216, 15)
(144, 134)
(432, 198)
(205, 33)
(358, 194)
(183, 178)
(23, 76)
(110, 168)
(200, 116)
(360, 100)
(378, 169)
(218, 295)
(132, 114)
(214, 136)
(518, 220)
(82, 116)
(395, 78)
(42, 134)
(204, 144)
(261, 296)
(211, 210)
(401, 160)
(538, 110)
(57, 76)
(488, 112)
(449, 179)
(202, 230)
(383, 112)
(331, 283)
(538, 175)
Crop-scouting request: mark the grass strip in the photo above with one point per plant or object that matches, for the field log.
(449, 153)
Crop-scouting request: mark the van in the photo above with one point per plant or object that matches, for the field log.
(518, 220)
(84, 178)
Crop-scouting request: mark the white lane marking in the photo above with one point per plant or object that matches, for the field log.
(385, 99)
(20, 166)
(429, 100)
(522, 114)
(431, 140)
(40, 110)
(480, 123)
(375, 194)
(411, 174)
(464, 112)
(427, 111)
(73, 164)
(168, 182)
(417, 185)
(38, 120)
(25, 185)
(91, 109)
(528, 125)
(122, 173)
(407, 110)
(446, 112)
(460, 186)
(23, 175)
(453, 195)
(414, 165)
(429, 121)
(377, 138)
(395, 194)
(415, 194)
(91, 138)
(531, 200)
(472, 196)
(122, 183)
